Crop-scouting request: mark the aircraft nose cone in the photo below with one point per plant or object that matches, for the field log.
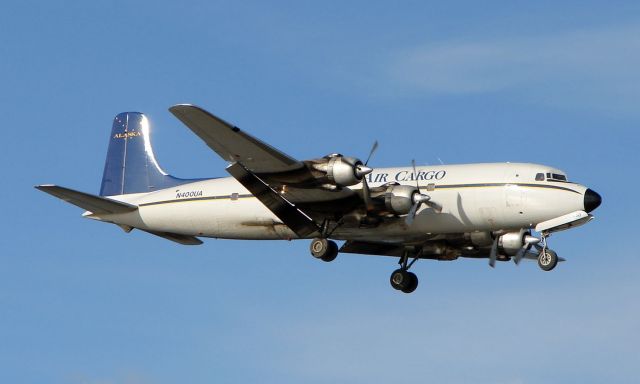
(592, 200)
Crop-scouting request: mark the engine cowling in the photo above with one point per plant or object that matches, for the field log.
(398, 199)
(511, 242)
(343, 171)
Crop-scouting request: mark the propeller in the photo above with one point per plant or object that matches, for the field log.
(494, 253)
(419, 199)
(527, 242)
(361, 170)
(373, 149)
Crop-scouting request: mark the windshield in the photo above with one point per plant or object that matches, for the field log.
(550, 176)
(556, 177)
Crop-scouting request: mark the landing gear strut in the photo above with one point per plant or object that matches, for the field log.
(547, 259)
(403, 280)
(324, 249)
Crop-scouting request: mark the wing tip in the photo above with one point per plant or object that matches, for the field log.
(182, 106)
(44, 186)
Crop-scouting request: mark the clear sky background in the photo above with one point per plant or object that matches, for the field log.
(546, 81)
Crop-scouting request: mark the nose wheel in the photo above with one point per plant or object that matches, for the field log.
(547, 258)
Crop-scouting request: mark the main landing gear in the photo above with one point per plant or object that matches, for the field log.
(324, 249)
(403, 280)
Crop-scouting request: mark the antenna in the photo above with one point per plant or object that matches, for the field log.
(441, 163)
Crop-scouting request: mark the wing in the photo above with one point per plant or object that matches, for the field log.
(291, 216)
(295, 191)
(232, 144)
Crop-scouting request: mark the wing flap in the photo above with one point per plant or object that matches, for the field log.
(232, 144)
(290, 215)
(87, 201)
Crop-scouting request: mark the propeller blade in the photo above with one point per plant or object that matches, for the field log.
(494, 253)
(436, 207)
(521, 253)
(366, 194)
(415, 173)
(373, 149)
(529, 241)
(412, 213)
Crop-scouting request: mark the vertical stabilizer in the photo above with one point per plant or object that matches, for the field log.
(131, 166)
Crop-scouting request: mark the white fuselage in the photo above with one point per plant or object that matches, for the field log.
(474, 197)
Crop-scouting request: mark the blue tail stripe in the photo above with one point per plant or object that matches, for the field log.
(131, 166)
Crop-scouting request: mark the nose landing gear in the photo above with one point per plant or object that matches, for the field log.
(547, 258)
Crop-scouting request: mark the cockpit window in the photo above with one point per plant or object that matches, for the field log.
(539, 176)
(556, 177)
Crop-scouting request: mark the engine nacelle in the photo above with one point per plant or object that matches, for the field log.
(398, 199)
(511, 242)
(341, 171)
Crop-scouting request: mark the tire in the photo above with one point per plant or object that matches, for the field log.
(397, 279)
(547, 260)
(319, 247)
(412, 283)
(332, 252)
(404, 281)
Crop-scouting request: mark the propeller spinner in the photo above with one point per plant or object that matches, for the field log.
(419, 198)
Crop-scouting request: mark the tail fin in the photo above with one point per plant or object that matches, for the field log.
(131, 166)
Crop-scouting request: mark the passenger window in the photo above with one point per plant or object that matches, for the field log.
(234, 196)
(539, 176)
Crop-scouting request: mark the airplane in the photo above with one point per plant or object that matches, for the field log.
(439, 212)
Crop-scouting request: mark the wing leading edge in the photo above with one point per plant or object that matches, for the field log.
(232, 144)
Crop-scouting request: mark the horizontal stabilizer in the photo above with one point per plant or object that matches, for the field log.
(180, 239)
(87, 201)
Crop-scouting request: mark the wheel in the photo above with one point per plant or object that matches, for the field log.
(324, 249)
(404, 281)
(547, 260)
(319, 247)
(412, 283)
(397, 278)
(332, 252)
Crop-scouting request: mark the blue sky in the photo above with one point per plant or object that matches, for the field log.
(82, 302)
